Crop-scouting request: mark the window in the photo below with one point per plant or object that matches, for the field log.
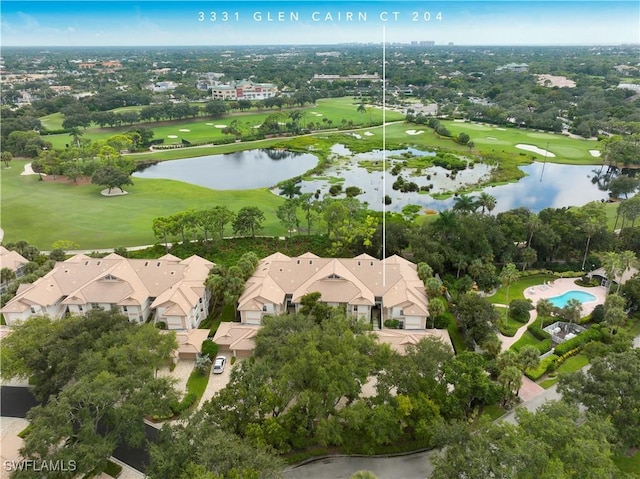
(95, 305)
(80, 308)
(124, 309)
(334, 276)
(402, 312)
(355, 308)
(33, 310)
(264, 307)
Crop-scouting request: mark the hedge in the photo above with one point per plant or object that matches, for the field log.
(566, 356)
(593, 334)
(538, 332)
(545, 365)
(544, 346)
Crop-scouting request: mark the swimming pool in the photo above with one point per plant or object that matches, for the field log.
(561, 301)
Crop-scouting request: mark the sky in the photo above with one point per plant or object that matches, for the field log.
(281, 22)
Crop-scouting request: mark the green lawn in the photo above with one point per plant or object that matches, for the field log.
(204, 128)
(517, 288)
(628, 464)
(571, 365)
(527, 339)
(197, 383)
(44, 212)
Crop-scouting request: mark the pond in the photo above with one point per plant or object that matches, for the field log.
(242, 170)
(547, 185)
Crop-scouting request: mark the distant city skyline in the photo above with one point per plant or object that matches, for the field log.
(181, 23)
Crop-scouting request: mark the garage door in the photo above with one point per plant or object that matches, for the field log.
(412, 323)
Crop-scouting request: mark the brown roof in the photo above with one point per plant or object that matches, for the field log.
(344, 280)
(398, 339)
(11, 259)
(117, 280)
(236, 337)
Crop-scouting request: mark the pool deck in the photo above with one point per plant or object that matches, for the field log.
(560, 286)
(549, 290)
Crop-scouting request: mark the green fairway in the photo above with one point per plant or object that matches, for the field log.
(333, 110)
(44, 212)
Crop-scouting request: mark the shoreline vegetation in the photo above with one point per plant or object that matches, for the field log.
(56, 205)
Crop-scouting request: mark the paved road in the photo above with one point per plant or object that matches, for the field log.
(413, 466)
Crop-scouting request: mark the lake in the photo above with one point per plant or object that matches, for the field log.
(242, 170)
(546, 184)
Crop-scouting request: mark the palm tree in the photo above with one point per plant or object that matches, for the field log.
(290, 188)
(486, 201)
(612, 264)
(436, 308)
(507, 276)
(445, 223)
(590, 228)
(572, 310)
(544, 308)
(533, 225)
(464, 204)
(628, 260)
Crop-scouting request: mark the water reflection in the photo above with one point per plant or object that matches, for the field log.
(234, 171)
(547, 185)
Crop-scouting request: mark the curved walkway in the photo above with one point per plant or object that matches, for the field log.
(549, 290)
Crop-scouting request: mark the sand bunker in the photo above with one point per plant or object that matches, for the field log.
(501, 129)
(256, 126)
(535, 149)
(595, 153)
(172, 136)
(491, 138)
(209, 124)
(184, 129)
(355, 135)
(414, 132)
(220, 126)
(368, 133)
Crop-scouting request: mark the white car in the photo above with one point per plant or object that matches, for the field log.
(218, 365)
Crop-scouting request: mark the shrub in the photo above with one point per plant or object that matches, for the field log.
(185, 404)
(538, 332)
(545, 365)
(565, 356)
(335, 189)
(507, 330)
(161, 325)
(392, 324)
(209, 349)
(593, 334)
(597, 315)
(441, 322)
(519, 310)
(544, 346)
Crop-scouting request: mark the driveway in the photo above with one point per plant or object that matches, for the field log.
(11, 443)
(217, 382)
(180, 373)
(412, 466)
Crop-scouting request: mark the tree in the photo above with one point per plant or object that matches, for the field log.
(528, 256)
(6, 158)
(508, 276)
(96, 375)
(6, 275)
(628, 260)
(614, 314)
(486, 201)
(610, 388)
(572, 310)
(287, 214)
(436, 308)
(612, 264)
(290, 188)
(220, 216)
(464, 204)
(111, 177)
(553, 442)
(248, 220)
(463, 138)
(475, 316)
(544, 308)
(424, 271)
(161, 228)
(200, 445)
